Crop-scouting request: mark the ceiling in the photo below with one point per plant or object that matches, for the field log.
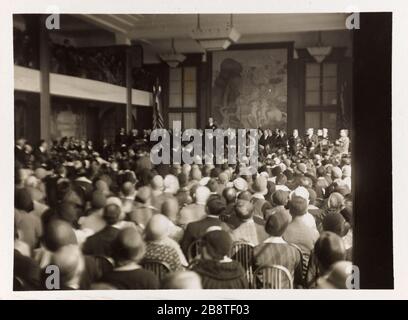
(157, 30)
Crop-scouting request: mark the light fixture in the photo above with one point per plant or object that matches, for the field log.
(173, 59)
(319, 52)
(215, 38)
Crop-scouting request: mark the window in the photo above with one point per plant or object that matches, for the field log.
(321, 96)
(183, 96)
(321, 84)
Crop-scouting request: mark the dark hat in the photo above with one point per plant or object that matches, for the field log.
(218, 243)
(215, 206)
(329, 248)
(288, 173)
(23, 200)
(336, 223)
(277, 222)
(276, 171)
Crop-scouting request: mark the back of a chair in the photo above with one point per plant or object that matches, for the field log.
(194, 250)
(304, 261)
(273, 277)
(243, 252)
(159, 268)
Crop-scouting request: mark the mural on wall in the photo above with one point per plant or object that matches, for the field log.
(249, 88)
(68, 121)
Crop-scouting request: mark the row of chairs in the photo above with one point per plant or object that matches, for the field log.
(265, 277)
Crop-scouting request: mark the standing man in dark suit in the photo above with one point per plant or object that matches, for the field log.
(41, 152)
(19, 153)
(196, 230)
(295, 142)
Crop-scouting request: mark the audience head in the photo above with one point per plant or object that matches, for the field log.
(201, 195)
(230, 195)
(128, 246)
(71, 265)
(244, 195)
(244, 210)
(111, 214)
(277, 223)
(157, 183)
(215, 206)
(280, 198)
(217, 244)
(336, 223)
(297, 206)
(170, 209)
(182, 280)
(58, 233)
(98, 200)
(158, 228)
(329, 248)
(23, 200)
(337, 276)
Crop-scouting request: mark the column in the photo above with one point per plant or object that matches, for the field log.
(45, 97)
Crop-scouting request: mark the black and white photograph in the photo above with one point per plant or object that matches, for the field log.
(199, 151)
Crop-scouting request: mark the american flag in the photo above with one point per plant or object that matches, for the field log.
(157, 115)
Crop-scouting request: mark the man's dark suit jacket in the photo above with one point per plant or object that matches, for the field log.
(41, 157)
(100, 243)
(19, 155)
(195, 230)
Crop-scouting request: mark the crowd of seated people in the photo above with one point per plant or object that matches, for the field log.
(101, 65)
(110, 219)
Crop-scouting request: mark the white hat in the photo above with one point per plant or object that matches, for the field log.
(300, 192)
(240, 184)
(204, 181)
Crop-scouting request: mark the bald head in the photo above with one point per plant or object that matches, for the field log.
(157, 228)
(58, 233)
(128, 189)
(229, 194)
(244, 210)
(157, 183)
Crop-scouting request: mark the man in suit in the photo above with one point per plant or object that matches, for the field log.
(195, 230)
(100, 243)
(19, 153)
(41, 152)
(311, 140)
(295, 142)
(249, 230)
